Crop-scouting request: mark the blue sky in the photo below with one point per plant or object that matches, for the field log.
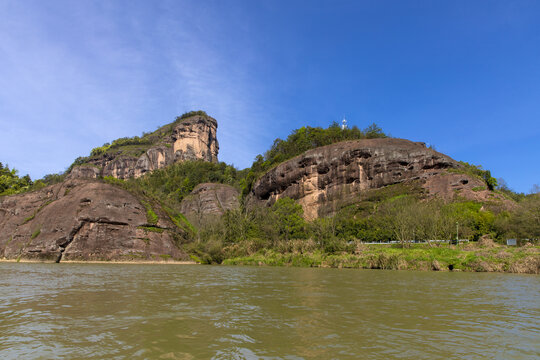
(461, 75)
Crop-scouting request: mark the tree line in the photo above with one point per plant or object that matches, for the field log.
(395, 213)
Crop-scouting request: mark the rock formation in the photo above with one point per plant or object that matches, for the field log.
(87, 219)
(193, 138)
(85, 172)
(209, 200)
(82, 220)
(324, 179)
(450, 185)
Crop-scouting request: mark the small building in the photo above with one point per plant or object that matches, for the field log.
(511, 242)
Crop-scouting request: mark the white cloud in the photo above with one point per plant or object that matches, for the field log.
(76, 75)
(207, 78)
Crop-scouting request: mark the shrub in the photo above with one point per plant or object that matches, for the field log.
(151, 216)
(476, 170)
(190, 114)
(151, 229)
(11, 183)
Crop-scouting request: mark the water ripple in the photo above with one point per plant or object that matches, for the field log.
(116, 311)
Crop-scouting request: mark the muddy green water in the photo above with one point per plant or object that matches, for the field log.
(112, 311)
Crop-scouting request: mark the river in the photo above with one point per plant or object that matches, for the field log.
(114, 311)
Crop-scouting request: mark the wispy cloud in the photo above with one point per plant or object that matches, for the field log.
(213, 73)
(76, 75)
(65, 88)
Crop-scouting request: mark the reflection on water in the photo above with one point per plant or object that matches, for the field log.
(113, 311)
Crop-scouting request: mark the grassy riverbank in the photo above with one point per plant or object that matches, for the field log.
(135, 262)
(470, 257)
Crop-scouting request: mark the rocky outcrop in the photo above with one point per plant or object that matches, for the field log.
(153, 159)
(193, 138)
(82, 220)
(85, 172)
(449, 185)
(208, 201)
(324, 179)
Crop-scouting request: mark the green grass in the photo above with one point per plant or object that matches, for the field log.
(189, 114)
(151, 215)
(151, 229)
(196, 258)
(36, 233)
(90, 165)
(114, 181)
(31, 217)
(180, 220)
(129, 150)
(417, 257)
(136, 146)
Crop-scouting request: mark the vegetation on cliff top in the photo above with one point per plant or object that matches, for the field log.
(478, 172)
(307, 138)
(11, 183)
(302, 140)
(136, 146)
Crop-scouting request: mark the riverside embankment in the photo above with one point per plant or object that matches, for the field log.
(470, 257)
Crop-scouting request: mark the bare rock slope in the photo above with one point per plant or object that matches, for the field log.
(324, 179)
(82, 220)
(193, 138)
(209, 200)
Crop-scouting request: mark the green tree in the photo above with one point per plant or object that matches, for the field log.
(401, 219)
(373, 132)
(525, 221)
(289, 219)
(11, 183)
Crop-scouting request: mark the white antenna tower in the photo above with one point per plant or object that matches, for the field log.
(343, 123)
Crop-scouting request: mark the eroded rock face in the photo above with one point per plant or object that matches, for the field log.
(449, 185)
(208, 201)
(153, 159)
(324, 179)
(85, 172)
(81, 220)
(194, 138)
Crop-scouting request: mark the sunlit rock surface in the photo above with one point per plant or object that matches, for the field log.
(82, 220)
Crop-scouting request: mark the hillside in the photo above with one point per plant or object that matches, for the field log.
(191, 136)
(85, 220)
(165, 196)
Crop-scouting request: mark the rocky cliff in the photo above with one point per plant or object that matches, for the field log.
(324, 179)
(83, 220)
(209, 200)
(192, 138)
